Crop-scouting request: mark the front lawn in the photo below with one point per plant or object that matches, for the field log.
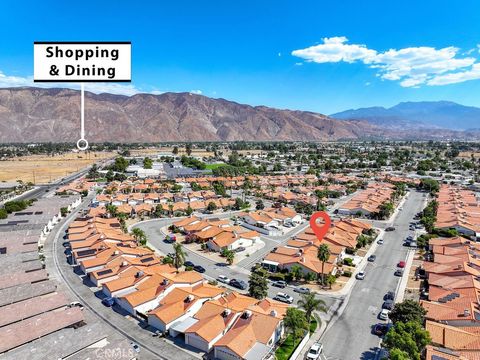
(286, 349)
(214, 166)
(313, 325)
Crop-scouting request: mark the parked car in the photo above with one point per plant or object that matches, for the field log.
(108, 301)
(398, 272)
(360, 275)
(381, 329)
(387, 304)
(383, 314)
(380, 242)
(239, 284)
(171, 238)
(239, 249)
(199, 269)
(389, 295)
(302, 290)
(76, 304)
(315, 351)
(372, 258)
(390, 228)
(188, 264)
(135, 347)
(283, 298)
(401, 264)
(223, 279)
(279, 283)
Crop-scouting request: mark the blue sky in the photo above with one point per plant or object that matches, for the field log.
(323, 56)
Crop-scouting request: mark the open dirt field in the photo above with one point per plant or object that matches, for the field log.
(41, 169)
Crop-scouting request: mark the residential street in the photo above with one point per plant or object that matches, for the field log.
(350, 336)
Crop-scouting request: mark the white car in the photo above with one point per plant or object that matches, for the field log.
(283, 298)
(360, 275)
(384, 314)
(380, 242)
(315, 351)
(223, 279)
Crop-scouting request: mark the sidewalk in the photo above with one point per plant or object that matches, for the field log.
(402, 285)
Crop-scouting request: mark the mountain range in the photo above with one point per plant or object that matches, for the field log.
(53, 115)
(424, 114)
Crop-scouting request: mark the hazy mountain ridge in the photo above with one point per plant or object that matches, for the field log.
(425, 114)
(53, 115)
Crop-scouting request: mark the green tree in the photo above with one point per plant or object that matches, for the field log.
(93, 172)
(408, 310)
(409, 338)
(295, 323)
(179, 255)
(257, 285)
(309, 303)
(188, 149)
(3, 213)
(120, 164)
(147, 163)
(296, 271)
(111, 210)
(397, 354)
(139, 236)
(211, 206)
(175, 150)
(323, 254)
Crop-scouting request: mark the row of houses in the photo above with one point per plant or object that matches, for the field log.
(37, 319)
(269, 221)
(180, 303)
(458, 209)
(218, 234)
(368, 201)
(453, 311)
(302, 250)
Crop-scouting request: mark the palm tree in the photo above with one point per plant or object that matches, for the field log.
(139, 235)
(323, 255)
(111, 210)
(295, 322)
(309, 303)
(178, 255)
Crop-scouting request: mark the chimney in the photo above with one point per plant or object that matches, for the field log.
(189, 298)
(124, 263)
(226, 312)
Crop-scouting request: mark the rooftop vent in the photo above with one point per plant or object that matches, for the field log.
(189, 298)
(226, 312)
(273, 313)
(246, 314)
(139, 274)
(466, 312)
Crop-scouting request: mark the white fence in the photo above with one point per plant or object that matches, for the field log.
(300, 347)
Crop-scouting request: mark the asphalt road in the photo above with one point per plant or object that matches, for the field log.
(350, 336)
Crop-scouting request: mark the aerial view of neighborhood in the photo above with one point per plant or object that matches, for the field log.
(258, 180)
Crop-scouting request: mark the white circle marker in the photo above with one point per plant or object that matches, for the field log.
(82, 144)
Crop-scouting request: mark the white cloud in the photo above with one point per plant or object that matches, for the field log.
(298, 64)
(112, 88)
(412, 67)
(197, 92)
(334, 50)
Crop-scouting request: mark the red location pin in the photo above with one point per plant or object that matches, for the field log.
(320, 231)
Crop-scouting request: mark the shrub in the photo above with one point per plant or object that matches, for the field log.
(277, 276)
(348, 261)
(347, 273)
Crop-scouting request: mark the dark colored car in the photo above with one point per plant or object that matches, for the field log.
(239, 284)
(381, 329)
(390, 228)
(398, 272)
(239, 249)
(389, 296)
(199, 269)
(189, 264)
(388, 304)
(372, 258)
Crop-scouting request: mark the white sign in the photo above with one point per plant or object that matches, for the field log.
(82, 61)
